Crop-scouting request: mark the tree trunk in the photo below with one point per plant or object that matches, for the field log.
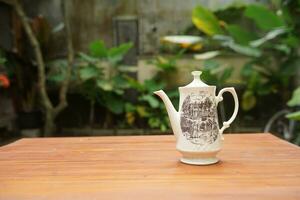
(50, 111)
(108, 119)
(92, 114)
(49, 127)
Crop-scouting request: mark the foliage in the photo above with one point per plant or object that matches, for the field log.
(2, 59)
(101, 77)
(57, 70)
(271, 44)
(215, 74)
(149, 107)
(294, 102)
(165, 64)
(206, 21)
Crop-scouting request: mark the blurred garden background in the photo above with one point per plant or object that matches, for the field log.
(89, 68)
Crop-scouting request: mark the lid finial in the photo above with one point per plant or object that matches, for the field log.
(196, 74)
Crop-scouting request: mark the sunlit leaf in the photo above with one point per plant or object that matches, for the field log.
(283, 48)
(105, 85)
(294, 115)
(295, 100)
(246, 50)
(153, 102)
(248, 101)
(207, 55)
(88, 73)
(206, 21)
(141, 110)
(130, 118)
(269, 36)
(116, 54)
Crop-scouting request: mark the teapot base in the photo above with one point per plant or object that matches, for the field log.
(199, 161)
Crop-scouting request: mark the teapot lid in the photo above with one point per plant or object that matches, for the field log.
(197, 82)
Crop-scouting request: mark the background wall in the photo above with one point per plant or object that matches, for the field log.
(93, 19)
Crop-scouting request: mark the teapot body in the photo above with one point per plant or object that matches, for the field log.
(199, 128)
(195, 125)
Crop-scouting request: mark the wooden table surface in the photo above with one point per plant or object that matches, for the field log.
(253, 166)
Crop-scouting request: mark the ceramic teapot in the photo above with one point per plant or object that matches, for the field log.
(195, 125)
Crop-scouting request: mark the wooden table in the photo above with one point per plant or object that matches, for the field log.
(253, 166)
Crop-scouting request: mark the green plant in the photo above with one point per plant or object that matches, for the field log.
(2, 59)
(148, 107)
(101, 77)
(271, 44)
(294, 102)
(215, 74)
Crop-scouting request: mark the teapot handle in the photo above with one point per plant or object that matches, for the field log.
(219, 98)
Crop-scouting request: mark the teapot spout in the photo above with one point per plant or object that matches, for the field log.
(172, 113)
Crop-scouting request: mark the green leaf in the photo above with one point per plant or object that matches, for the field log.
(283, 48)
(116, 54)
(151, 85)
(248, 100)
(247, 70)
(57, 78)
(114, 103)
(2, 60)
(87, 58)
(294, 116)
(120, 82)
(291, 40)
(269, 36)
(154, 122)
(239, 34)
(289, 67)
(263, 17)
(88, 73)
(206, 21)
(133, 83)
(254, 80)
(165, 63)
(129, 107)
(209, 78)
(225, 75)
(163, 127)
(210, 64)
(228, 41)
(265, 89)
(98, 49)
(295, 100)
(153, 102)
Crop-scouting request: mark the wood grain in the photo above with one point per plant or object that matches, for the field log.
(253, 166)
